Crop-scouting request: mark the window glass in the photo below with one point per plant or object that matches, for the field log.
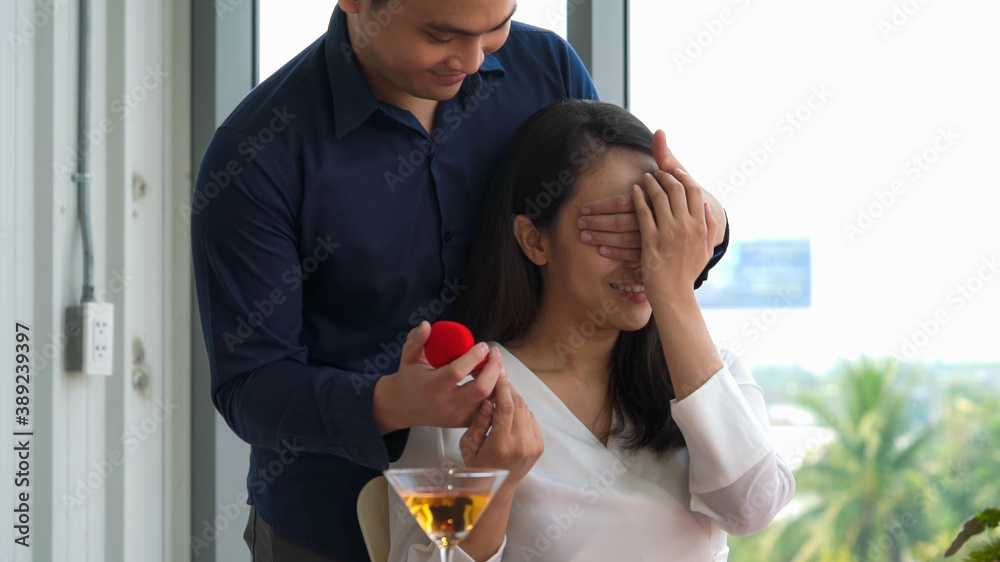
(853, 145)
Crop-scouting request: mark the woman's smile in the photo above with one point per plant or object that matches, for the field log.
(631, 291)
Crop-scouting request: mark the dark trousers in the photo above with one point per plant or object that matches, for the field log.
(268, 544)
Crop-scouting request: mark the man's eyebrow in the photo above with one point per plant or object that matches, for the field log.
(450, 29)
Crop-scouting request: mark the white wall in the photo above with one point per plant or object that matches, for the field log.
(110, 458)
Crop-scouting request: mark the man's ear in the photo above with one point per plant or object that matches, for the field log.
(350, 6)
(531, 241)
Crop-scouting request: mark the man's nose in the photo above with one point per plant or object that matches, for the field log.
(469, 57)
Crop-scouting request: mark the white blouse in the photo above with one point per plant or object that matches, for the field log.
(583, 501)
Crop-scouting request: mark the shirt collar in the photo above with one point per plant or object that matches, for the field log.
(353, 100)
(474, 82)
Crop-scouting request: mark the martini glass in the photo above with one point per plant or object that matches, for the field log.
(446, 501)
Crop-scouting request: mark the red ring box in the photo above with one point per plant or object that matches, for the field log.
(448, 341)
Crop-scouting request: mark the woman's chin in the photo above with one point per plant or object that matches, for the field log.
(631, 322)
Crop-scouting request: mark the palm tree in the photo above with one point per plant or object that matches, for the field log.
(862, 493)
(970, 456)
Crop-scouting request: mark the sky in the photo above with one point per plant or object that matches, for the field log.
(868, 127)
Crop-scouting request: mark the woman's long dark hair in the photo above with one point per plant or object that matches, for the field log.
(547, 155)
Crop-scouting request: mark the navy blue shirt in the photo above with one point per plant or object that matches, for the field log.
(325, 225)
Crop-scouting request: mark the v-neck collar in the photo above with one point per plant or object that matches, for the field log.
(542, 400)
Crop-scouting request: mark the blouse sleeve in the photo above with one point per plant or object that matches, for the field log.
(736, 477)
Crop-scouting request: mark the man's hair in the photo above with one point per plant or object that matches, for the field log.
(505, 287)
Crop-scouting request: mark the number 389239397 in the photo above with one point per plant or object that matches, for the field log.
(22, 373)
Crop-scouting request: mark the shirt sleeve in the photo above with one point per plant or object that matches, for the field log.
(243, 237)
(717, 254)
(579, 84)
(736, 477)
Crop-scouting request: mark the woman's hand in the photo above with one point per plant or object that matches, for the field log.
(502, 436)
(505, 436)
(611, 223)
(678, 231)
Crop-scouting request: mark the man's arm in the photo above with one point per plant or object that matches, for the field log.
(245, 247)
(243, 241)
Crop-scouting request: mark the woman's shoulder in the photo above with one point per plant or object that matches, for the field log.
(519, 373)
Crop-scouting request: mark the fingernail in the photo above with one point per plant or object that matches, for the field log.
(636, 188)
(581, 223)
(585, 211)
(484, 347)
(503, 372)
(587, 237)
(679, 171)
(604, 251)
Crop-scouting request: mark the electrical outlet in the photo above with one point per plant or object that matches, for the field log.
(98, 336)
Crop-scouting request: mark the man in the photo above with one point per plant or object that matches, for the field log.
(332, 215)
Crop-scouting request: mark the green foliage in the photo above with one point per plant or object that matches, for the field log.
(785, 383)
(916, 447)
(989, 551)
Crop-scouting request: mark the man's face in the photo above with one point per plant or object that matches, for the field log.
(424, 48)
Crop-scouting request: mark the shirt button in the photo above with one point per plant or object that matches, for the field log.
(447, 236)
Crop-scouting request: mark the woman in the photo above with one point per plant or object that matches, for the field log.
(655, 441)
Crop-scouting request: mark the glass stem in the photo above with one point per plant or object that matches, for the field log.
(445, 554)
